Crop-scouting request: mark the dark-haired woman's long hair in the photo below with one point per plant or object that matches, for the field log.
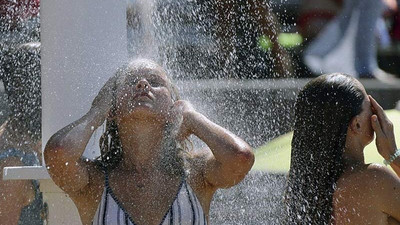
(324, 109)
(111, 149)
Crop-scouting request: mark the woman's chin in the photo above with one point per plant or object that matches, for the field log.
(139, 107)
(139, 113)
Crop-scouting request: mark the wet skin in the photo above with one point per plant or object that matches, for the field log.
(14, 194)
(144, 105)
(368, 193)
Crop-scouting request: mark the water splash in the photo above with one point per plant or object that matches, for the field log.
(141, 33)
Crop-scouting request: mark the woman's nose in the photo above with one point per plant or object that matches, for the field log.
(142, 84)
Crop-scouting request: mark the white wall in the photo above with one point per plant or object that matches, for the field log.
(83, 42)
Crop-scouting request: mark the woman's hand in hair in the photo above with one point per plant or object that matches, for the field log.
(183, 111)
(227, 158)
(63, 151)
(102, 103)
(383, 127)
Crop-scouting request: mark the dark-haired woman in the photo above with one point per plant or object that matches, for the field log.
(145, 174)
(329, 182)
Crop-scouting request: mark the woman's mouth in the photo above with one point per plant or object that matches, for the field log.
(142, 95)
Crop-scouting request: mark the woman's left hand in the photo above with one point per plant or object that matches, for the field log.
(227, 159)
(183, 111)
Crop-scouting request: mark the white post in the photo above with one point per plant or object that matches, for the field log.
(83, 43)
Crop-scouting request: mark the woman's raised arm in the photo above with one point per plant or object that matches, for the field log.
(385, 139)
(64, 149)
(386, 183)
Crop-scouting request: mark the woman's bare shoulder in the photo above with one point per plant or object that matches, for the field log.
(379, 172)
(365, 185)
(198, 156)
(196, 161)
(382, 177)
(96, 182)
(88, 198)
(361, 177)
(371, 178)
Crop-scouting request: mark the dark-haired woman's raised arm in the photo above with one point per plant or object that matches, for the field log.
(385, 139)
(64, 149)
(388, 184)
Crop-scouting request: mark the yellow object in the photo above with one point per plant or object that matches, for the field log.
(287, 40)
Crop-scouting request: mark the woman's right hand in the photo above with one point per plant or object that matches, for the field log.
(102, 103)
(383, 127)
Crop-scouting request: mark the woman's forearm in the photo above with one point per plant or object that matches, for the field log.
(64, 150)
(74, 137)
(396, 166)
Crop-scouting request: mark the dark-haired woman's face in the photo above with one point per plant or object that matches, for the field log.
(146, 92)
(367, 133)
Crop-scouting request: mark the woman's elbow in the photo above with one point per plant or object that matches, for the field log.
(53, 151)
(50, 155)
(245, 159)
(242, 165)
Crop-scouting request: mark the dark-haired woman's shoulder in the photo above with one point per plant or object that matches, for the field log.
(374, 179)
(368, 193)
(382, 176)
(385, 186)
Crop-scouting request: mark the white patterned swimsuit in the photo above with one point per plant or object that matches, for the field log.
(185, 210)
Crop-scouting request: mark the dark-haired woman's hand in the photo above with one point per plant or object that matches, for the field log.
(383, 127)
(184, 110)
(102, 103)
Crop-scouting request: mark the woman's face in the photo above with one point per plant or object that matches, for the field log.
(144, 92)
(367, 133)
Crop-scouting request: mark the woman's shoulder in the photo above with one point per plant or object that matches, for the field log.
(382, 175)
(96, 181)
(379, 172)
(361, 176)
(97, 173)
(195, 163)
(197, 158)
(369, 178)
(366, 184)
(87, 199)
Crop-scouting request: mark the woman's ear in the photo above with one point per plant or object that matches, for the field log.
(355, 125)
